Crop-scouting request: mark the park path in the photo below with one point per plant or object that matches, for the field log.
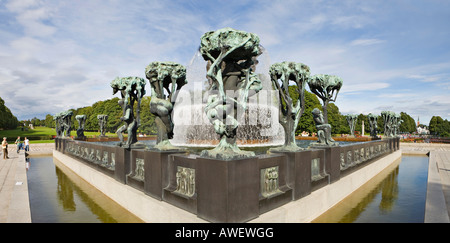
(14, 200)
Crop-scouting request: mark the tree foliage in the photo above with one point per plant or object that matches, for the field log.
(111, 108)
(7, 119)
(439, 126)
(408, 125)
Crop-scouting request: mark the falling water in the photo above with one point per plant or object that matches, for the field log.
(258, 127)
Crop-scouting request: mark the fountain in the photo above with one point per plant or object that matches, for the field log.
(258, 126)
(223, 102)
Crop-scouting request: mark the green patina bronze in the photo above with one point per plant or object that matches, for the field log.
(63, 123)
(164, 77)
(323, 130)
(290, 111)
(81, 122)
(102, 122)
(231, 60)
(132, 89)
(326, 87)
(392, 123)
(351, 119)
(373, 124)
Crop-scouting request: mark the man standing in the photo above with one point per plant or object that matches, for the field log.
(27, 144)
(18, 144)
(5, 148)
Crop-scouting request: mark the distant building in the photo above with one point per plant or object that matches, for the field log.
(421, 129)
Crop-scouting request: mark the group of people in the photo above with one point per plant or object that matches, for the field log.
(25, 146)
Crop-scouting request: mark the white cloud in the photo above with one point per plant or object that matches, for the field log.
(366, 42)
(66, 52)
(20, 5)
(31, 14)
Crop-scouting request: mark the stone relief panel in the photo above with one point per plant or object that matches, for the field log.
(315, 169)
(139, 172)
(269, 181)
(185, 181)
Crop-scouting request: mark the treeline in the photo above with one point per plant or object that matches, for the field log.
(114, 111)
(7, 119)
(336, 119)
(439, 126)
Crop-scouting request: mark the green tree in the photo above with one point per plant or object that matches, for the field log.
(148, 125)
(337, 121)
(439, 126)
(408, 125)
(306, 122)
(49, 122)
(111, 108)
(433, 125)
(7, 119)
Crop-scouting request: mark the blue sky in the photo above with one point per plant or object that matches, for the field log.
(392, 54)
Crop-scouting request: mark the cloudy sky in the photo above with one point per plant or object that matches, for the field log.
(392, 54)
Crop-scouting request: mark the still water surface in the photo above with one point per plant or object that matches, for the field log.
(396, 196)
(57, 195)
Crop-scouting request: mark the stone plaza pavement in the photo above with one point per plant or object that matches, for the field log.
(14, 201)
(15, 208)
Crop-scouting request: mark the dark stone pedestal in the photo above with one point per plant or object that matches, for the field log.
(157, 163)
(181, 176)
(298, 176)
(156, 170)
(227, 190)
(271, 196)
(122, 164)
(332, 161)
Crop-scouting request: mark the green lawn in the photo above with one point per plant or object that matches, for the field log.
(41, 134)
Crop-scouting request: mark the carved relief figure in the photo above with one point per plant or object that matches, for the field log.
(185, 178)
(269, 178)
(139, 171)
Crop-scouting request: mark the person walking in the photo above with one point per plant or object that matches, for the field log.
(5, 148)
(18, 144)
(27, 144)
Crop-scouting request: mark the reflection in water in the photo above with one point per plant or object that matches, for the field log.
(66, 196)
(389, 194)
(57, 195)
(397, 194)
